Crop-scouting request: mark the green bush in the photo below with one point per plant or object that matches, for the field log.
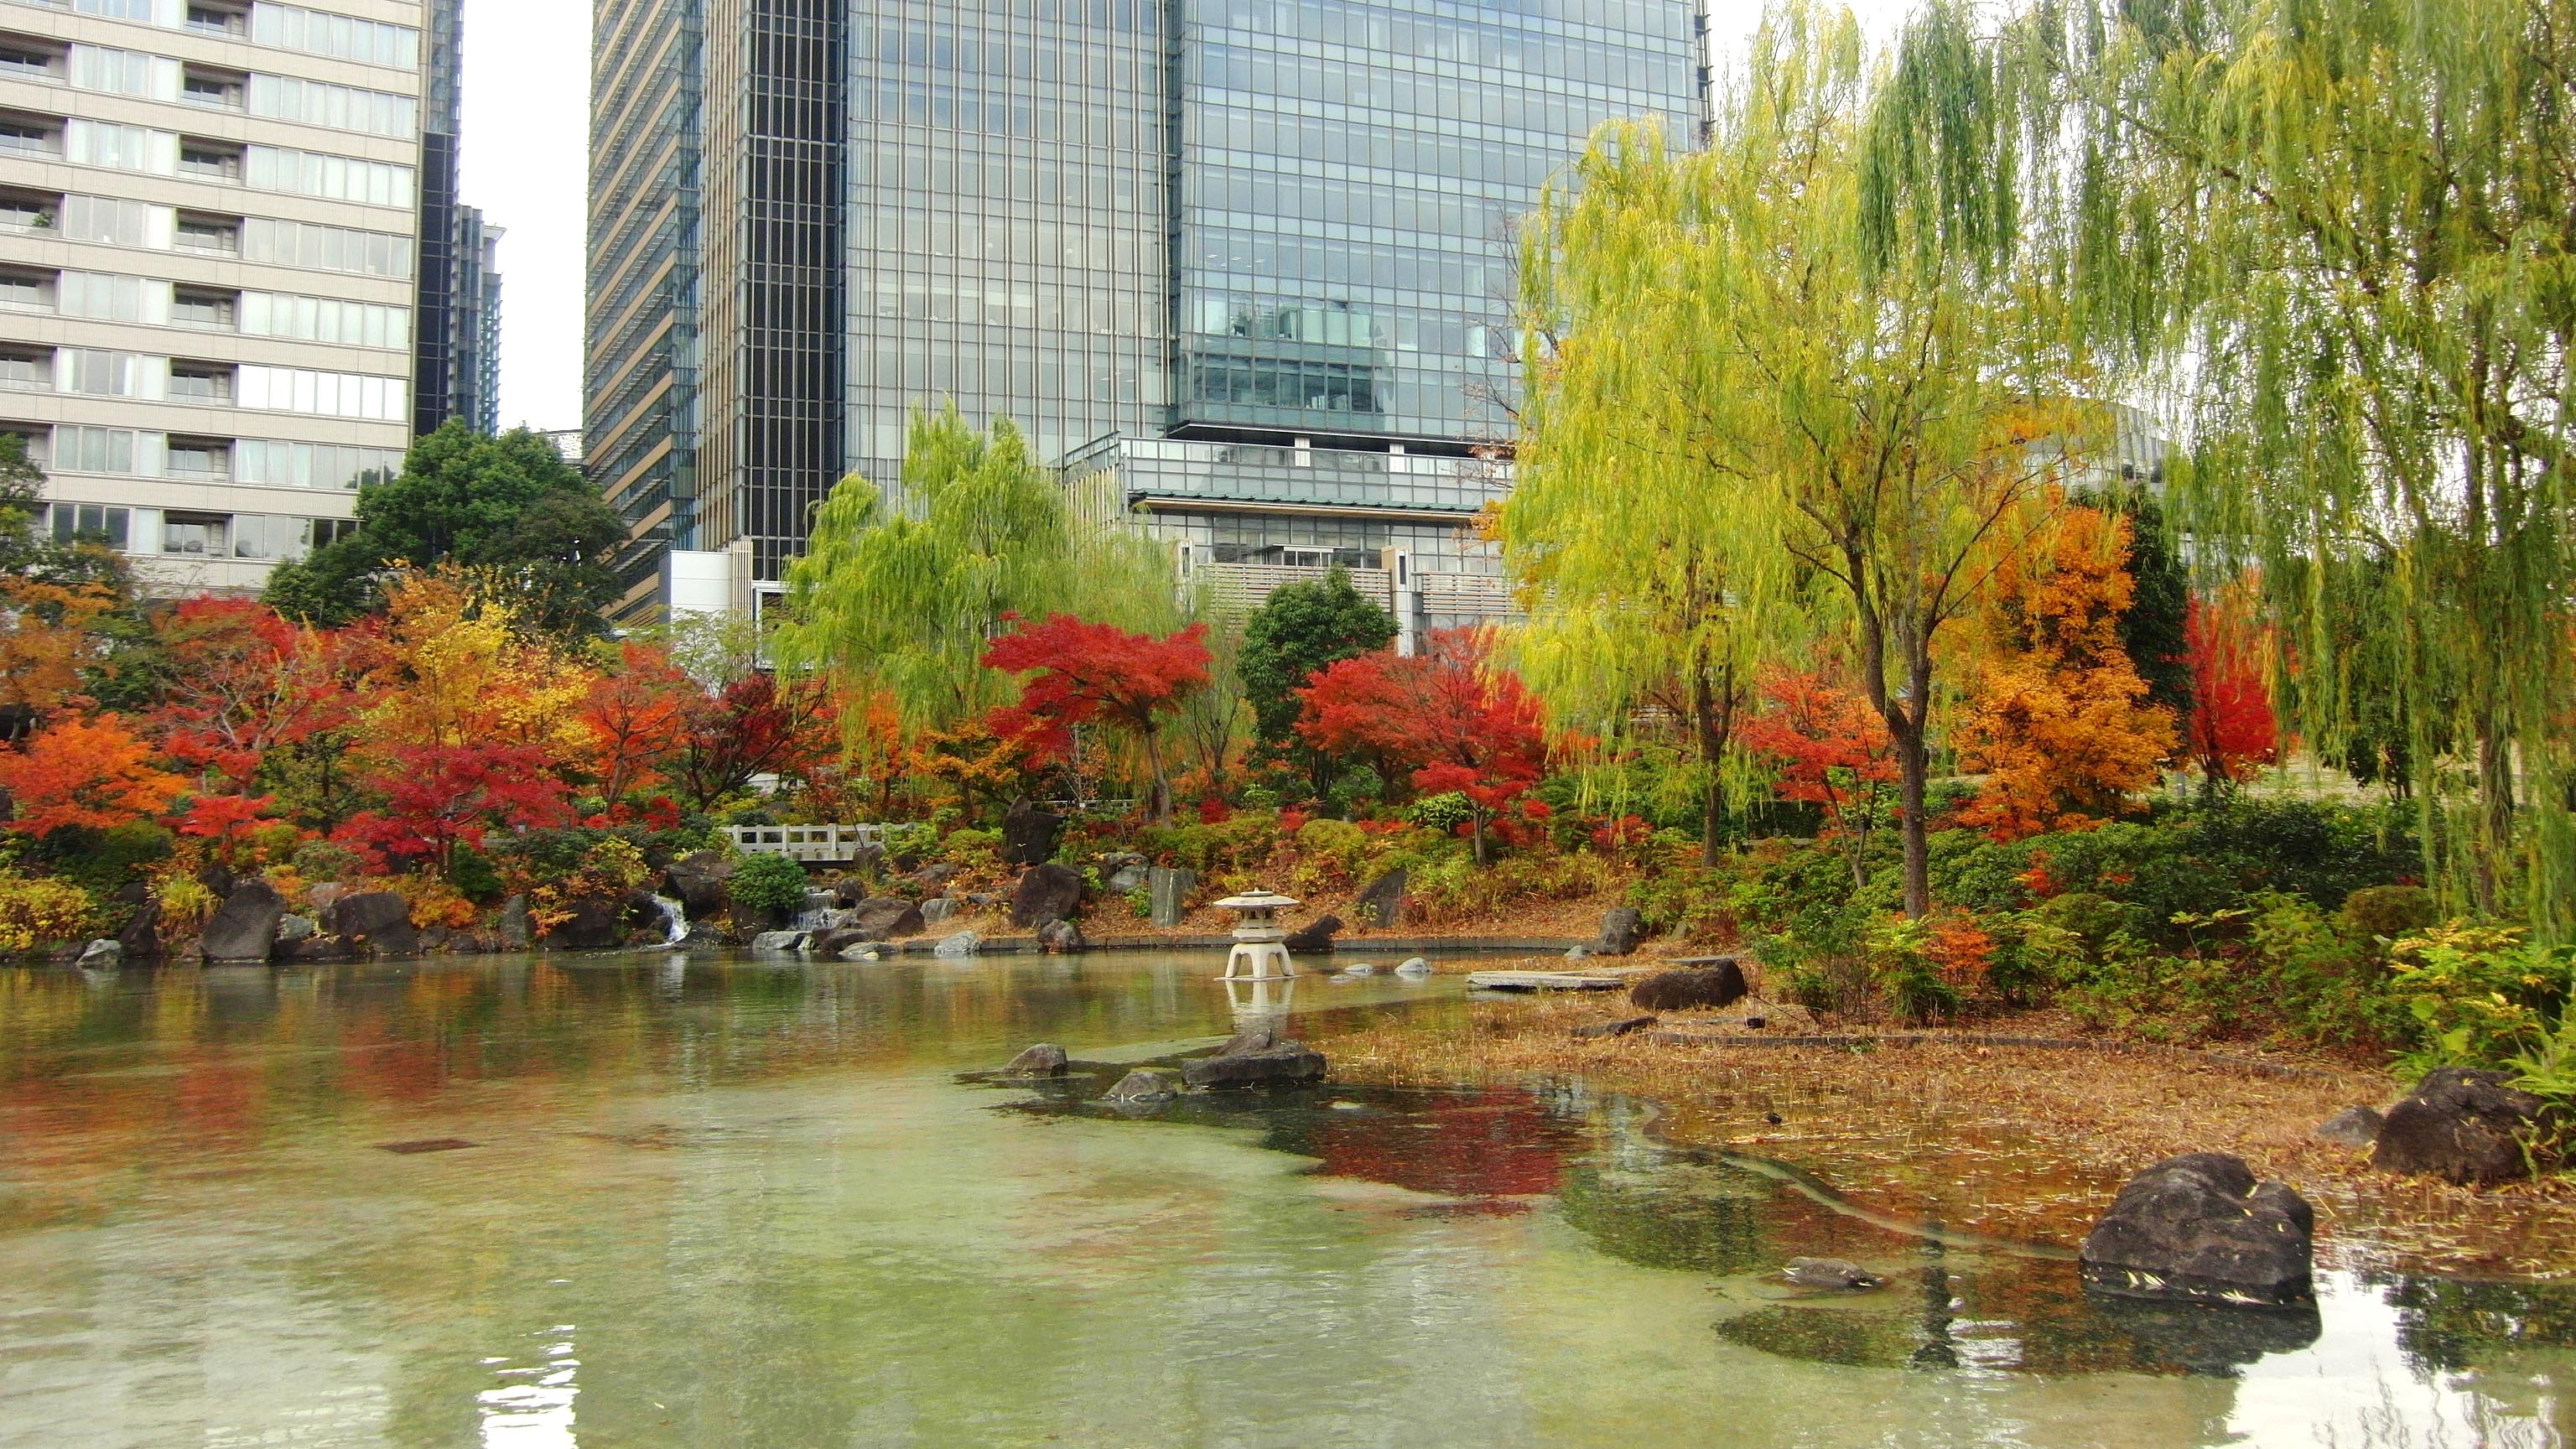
(323, 860)
(102, 862)
(2482, 994)
(2390, 911)
(41, 911)
(1331, 851)
(1443, 812)
(972, 849)
(1237, 843)
(913, 840)
(769, 883)
(475, 877)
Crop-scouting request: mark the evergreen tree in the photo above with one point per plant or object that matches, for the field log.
(1300, 629)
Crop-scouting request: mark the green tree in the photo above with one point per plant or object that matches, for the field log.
(509, 505)
(905, 600)
(2347, 228)
(1301, 628)
(1881, 367)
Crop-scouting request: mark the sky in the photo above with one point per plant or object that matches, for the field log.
(527, 70)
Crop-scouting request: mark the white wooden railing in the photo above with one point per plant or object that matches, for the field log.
(820, 844)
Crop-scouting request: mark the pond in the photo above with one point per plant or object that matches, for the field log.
(655, 1200)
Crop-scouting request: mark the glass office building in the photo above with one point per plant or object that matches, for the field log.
(1250, 261)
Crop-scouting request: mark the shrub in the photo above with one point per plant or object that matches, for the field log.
(186, 905)
(2389, 912)
(319, 860)
(971, 849)
(474, 875)
(769, 883)
(103, 862)
(2482, 993)
(913, 840)
(1235, 844)
(1331, 852)
(434, 903)
(41, 911)
(1443, 812)
(1909, 962)
(1358, 788)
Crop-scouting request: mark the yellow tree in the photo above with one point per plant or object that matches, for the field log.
(458, 671)
(1879, 373)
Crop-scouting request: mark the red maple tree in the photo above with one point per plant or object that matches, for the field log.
(438, 797)
(1457, 723)
(83, 773)
(1080, 671)
(1831, 748)
(753, 726)
(639, 716)
(244, 682)
(2233, 730)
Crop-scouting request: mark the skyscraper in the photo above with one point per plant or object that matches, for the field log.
(213, 277)
(1247, 262)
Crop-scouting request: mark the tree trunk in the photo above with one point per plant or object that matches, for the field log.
(1913, 764)
(1162, 788)
(2495, 812)
(1713, 714)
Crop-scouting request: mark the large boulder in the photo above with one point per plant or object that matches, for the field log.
(884, 918)
(590, 926)
(1279, 1064)
(380, 919)
(1123, 872)
(516, 931)
(1167, 890)
(245, 928)
(1621, 929)
(2467, 1126)
(1061, 938)
(697, 882)
(781, 943)
(1717, 982)
(99, 955)
(1381, 905)
(1046, 1059)
(937, 909)
(1029, 834)
(964, 943)
(1315, 935)
(1046, 893)
(1142, 1085)
(2198, 1227)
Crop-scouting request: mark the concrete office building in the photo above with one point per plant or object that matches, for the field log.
(1244, 264)
(212, 269)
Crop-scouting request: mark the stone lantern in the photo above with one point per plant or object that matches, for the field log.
(1260, 951)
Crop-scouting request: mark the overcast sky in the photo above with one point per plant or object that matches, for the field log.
(527, 69)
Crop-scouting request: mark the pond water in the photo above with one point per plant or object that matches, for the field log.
(649, 1200)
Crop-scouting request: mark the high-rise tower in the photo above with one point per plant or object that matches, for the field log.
(1250, 259)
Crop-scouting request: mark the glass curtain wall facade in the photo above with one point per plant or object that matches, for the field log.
(640, 362)
(456, 267)
(1008, 209)
(1251, 258)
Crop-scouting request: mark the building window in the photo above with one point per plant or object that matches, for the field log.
(20, 211)
(208, 234)
(27, 291)
(268, 535)
(26, 369)
(321, 531)
(211, 88)
(201, 382)
(218, 19)
(198, 533)
(195, 307)
(201, 458)
(91, 523)
(25, 59)
(31, 134)
(94, 450)
(209, 160)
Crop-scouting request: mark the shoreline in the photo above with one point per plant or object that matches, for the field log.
(2033, 1141)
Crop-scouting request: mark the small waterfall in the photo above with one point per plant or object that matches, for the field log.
(676, 917)
(816, 903)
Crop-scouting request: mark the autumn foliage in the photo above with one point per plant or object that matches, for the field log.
(2059, 722)
(90, 773)
(1078, 672)
(1446, 716)
(1828, 747)
(2233, 730)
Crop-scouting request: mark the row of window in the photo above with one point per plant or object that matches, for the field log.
(1280, 383)
(280, 538)
(275, 462)
(162, 78)
(105, 373)
(111, 298)
(288, 27)
(121, 222)
(167, 153)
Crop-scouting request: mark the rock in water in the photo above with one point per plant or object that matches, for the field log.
(1717, 984)
(2197, 1227)
(1414, 968)
(883, 918)
(516, 930)
(964, 943)
(1621, 1027)
(2467, 1126)
(1283, 1064)
(101, 954)
(292, 928)
(1046, 893)
(1359, 968)
(1829, 1273)
(858, 951)
(1621, 930)
(780, 943)
(1046, 1059)
(245, 929)
(1062, 938)
(1315, 935)
(141, 933)
(381, 918)
(2351, 1127)
(1143, 1086)
(1381, 905)
(1261, 1036)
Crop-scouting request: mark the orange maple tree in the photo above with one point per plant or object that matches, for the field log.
(2059, 722)
(92, 773)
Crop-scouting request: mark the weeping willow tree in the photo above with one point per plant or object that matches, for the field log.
(1632, 535)
(905, 603)
(1858, 379)
(2349, 229)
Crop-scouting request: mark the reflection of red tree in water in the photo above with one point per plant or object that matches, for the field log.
(1480, 1144)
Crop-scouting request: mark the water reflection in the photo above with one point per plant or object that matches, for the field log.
(778, 1218)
